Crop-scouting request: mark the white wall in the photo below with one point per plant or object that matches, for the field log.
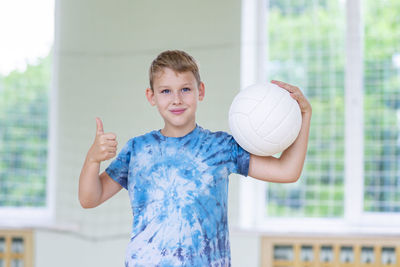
(53, 248)
(102, 54)
(60, 249)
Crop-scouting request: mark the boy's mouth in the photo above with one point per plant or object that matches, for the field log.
(178, 111)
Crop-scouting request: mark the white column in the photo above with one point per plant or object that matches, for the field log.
(253, 69)
(354, 115)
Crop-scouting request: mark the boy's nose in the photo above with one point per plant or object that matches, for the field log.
(177, 98)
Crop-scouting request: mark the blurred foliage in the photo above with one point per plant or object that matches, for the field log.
(382, 106)
(23, 135)
(307, 48)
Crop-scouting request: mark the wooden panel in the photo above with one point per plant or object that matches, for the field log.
(17, 246)
(331, 251)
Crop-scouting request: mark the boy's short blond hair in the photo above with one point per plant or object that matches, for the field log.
(178, 61)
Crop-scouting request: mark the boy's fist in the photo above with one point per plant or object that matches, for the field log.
(104, 146)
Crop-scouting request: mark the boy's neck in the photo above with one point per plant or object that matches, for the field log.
(177, 131)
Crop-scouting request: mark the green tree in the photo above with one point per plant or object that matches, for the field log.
(23, 135)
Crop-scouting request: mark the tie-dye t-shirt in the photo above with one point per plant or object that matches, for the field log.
(178, 188)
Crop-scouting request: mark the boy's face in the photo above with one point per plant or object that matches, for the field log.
(176, 96)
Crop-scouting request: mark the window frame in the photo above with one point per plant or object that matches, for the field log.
(23, 217)
(254, 48)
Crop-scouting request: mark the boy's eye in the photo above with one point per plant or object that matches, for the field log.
(186, 89)
(165, 91)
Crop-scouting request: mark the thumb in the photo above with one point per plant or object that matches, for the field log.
(99, 126)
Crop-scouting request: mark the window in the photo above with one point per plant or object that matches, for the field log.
(16, 248)
(25, 66)
(382, 106)
(347, 62)
(311, 55)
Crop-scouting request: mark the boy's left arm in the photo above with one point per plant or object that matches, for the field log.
(288, 167)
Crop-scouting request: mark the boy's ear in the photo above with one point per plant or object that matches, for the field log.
(150, 96)
(201, 91)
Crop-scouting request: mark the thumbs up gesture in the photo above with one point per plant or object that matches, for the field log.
(104, 146)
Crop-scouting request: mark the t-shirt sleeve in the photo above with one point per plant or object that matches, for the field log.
(240, 157)
(119, 167)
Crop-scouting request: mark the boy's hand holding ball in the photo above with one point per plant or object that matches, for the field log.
(104, 146)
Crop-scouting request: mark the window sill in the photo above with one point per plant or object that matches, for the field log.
(316, 227)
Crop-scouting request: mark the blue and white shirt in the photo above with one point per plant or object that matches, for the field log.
(178, 188)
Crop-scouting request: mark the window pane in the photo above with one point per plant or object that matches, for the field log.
(306, 48)
(382, 106)
(26, 39)
(2, 245)
(17, 245)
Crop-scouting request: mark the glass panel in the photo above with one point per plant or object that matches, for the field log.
(346, 254)
(306, 253)
(2, 244)
(306, 48)
(382, 106)
(388, 255)
(283, 253)
(367, 255)
(17, 263)
(2, 264)
(326, 254)
(17, 245)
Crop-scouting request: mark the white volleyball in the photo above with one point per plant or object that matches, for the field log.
(264, 119)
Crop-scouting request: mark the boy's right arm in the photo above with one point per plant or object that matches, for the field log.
(94, 189)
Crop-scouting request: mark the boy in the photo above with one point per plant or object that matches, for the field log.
(177, 177)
